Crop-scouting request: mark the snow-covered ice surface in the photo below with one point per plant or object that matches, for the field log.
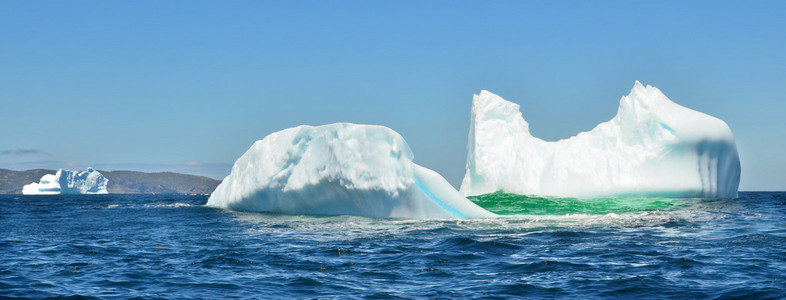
(339, 169)
(89, 181)
(652, 147)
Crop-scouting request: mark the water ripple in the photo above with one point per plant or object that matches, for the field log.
(146, 246)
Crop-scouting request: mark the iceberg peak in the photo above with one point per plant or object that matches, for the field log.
(653, 146)
(339, 169)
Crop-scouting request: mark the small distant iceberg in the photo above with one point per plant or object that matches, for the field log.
(89, 181)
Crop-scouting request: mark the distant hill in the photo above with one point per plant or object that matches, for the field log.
(120, 182)
(131, 182)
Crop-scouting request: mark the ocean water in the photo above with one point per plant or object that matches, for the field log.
(154, 246)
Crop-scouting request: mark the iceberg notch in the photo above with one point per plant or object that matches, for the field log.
(89, 181)
(339, 169)
(652, 147)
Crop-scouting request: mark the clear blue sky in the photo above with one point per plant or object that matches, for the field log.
(190, 85)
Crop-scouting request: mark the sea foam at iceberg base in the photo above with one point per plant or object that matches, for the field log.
(339, 169)
(89, 181)
(652, 147)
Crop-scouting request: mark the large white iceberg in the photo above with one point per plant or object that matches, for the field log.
(68, 182)
(651, 147)
(339, 169)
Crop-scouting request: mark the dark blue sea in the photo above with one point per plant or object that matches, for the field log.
(154, 246)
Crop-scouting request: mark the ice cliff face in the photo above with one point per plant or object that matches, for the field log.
(651, 147)
(68, 182)
(339, 169)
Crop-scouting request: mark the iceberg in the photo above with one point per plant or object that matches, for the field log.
(652, 147)
(339, 169)
(89, 181)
